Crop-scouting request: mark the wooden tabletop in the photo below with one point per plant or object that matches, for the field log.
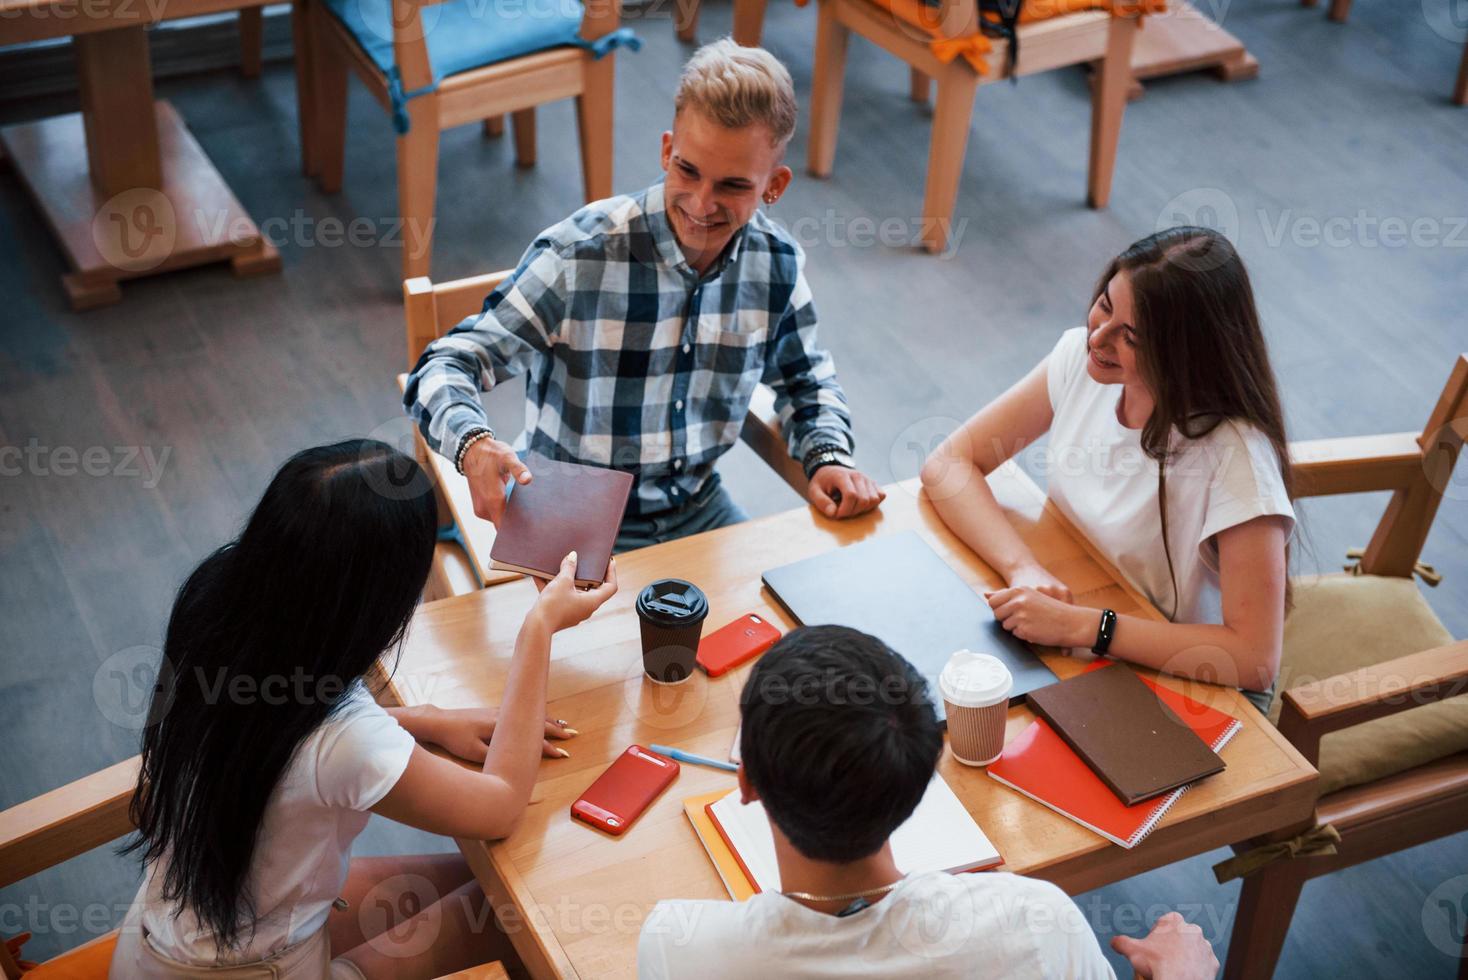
(39, 20)
(580, 896)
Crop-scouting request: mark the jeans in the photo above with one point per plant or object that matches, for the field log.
(1263, 700)
(710, 508)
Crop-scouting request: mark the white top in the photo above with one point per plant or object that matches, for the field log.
(1102, 480)
(985, 924)
(317, 809)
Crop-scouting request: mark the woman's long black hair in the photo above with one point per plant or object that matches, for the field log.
(265, 637)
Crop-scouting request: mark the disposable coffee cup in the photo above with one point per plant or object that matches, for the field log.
(671, 613)
(975, 689)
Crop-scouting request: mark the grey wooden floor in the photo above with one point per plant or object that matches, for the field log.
(219, 380)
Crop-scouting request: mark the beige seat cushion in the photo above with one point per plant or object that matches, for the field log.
(1344, 622)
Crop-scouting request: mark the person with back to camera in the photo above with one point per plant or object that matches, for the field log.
(265, 753)
(839, 742)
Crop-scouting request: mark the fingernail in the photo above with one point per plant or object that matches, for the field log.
(569, 730)
(563, 753)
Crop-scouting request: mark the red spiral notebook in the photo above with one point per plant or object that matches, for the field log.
(1040, 765)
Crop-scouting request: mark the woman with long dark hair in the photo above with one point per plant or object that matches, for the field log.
(1167, 449)
(266, 753)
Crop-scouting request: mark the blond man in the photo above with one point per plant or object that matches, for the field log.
(646, 321)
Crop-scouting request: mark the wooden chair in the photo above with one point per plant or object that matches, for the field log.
(1377, 701)
(1339, 10)
(482, 70)
(749, 21)
(431, 310)
(1072, 39)
(252, 41)
(64, 823)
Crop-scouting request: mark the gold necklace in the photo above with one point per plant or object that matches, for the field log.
(808, 897)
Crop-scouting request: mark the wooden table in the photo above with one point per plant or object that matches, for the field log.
(575, 899)
(124, 186)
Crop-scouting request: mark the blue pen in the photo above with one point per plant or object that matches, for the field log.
(697, 760)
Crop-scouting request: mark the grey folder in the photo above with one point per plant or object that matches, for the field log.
(898, 589)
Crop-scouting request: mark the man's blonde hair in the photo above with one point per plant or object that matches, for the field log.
(737, 87)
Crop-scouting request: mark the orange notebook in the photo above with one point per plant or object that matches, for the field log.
(737, 881)
(1040, 765)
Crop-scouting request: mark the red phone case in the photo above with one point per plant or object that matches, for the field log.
(729, 646)
(624, 790)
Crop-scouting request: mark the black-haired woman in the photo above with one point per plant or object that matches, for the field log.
(1167, 449)
(266, 752)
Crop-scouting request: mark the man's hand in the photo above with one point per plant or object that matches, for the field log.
(840, 492)
(1174, 950)
(489, 465)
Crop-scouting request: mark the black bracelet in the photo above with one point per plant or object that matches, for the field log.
(465, 444)
(1105, 632)
(827, 454)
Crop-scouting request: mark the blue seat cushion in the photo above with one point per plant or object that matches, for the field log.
(465, 34)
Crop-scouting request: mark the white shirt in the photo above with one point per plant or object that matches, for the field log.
(985, 924)
(317, 809)
(1102, 480)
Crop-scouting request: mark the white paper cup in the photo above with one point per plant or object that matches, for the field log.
(975, 689)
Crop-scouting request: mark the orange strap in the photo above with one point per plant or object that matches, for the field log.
(974, 47)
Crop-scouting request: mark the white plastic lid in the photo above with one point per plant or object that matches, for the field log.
(974, 680)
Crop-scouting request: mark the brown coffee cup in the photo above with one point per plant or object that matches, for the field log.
(671, 613)
(975, 689)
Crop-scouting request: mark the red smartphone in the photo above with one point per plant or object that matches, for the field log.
(729, 646)
(624, 790)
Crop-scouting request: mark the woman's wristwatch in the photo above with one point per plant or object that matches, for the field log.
(1105, 632)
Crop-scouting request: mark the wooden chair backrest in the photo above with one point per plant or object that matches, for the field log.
(1397, 543)
(1417, 469)
(432, 310)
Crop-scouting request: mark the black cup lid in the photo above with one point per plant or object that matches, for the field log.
(672, 602)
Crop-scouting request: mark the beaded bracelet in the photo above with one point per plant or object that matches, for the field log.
(467, 442)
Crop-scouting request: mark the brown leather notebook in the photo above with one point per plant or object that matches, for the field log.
(1124, 732)
(565, 507)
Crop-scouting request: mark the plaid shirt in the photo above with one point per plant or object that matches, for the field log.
(634, 360)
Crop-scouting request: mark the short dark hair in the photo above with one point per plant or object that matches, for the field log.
(840, 740)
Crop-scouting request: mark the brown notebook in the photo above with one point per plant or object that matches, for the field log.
(1124, 732)
(565, 507)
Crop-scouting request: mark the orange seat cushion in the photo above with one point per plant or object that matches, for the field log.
(88, 962)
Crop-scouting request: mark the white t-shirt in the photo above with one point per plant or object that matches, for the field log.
(1101, 479)
(985, 924)
(317, 809)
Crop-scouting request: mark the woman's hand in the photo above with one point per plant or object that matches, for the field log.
(466, 732)
(1034, 576)
(562, 605)
(1038, 618)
